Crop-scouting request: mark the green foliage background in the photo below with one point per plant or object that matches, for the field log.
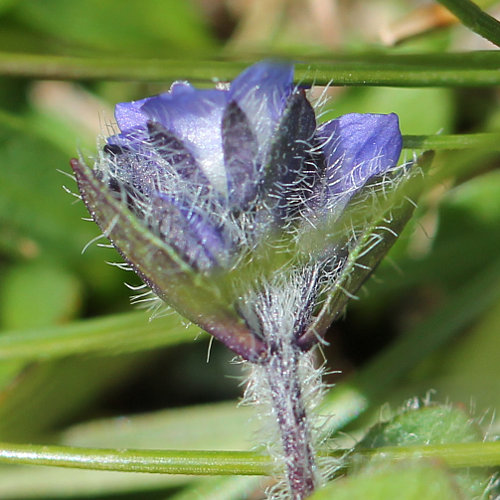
(79, 367)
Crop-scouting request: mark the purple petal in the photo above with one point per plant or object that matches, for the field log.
(129, 115)
(172, 150)
(239, 145)
(194, 117)
(189, 231)
(357, 147)
(261, 92)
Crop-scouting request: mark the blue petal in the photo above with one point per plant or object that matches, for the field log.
(357, 147)
(189, 231)
(194, 117)
(174, 152)
(129, 115)
(261, 91)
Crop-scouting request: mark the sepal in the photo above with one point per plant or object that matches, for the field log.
(191, 293)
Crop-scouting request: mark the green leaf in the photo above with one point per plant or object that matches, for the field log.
(216, 426)
(236, 488)
(37, 295)
(435, 425)
(117, 334)
(144, 28)
(46, 395)
(406, 481)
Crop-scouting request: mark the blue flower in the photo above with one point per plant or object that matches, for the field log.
(196, 182)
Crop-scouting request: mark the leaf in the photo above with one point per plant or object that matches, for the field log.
(38, 295)
(406, 103)
(113, 334)
(405, 481)
(44, 396)
(216, 426)
(149, 27)
(235, 488)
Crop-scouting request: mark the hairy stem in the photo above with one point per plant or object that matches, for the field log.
(283, 378)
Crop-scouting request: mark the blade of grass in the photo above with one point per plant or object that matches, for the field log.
(115, 334)
(209, 426)
(475, 19)
(443, 70)
(452, 141)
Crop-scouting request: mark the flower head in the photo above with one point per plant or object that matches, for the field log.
(199, 185)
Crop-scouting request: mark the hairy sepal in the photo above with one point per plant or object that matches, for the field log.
(369, 245)
(194, 295)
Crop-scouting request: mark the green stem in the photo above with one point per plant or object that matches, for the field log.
(489, 141)
(475, 19)
(151, 461)
(429, 70)
(244, 463)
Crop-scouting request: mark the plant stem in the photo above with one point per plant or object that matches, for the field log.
(400, 70)
(283, 378)
(440, 142)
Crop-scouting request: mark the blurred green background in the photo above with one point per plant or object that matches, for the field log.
(78, 365)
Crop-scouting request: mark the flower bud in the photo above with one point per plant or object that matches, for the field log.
(215, 198)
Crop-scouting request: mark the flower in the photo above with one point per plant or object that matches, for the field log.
(198, 185)
(237, 209)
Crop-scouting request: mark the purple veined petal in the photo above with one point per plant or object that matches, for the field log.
(189, 231)
(132, 119)
(261, 92)
(154, 162)
(289, 176)
(239, 145)
(194, 117)
(173, 151)
(357, 147)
